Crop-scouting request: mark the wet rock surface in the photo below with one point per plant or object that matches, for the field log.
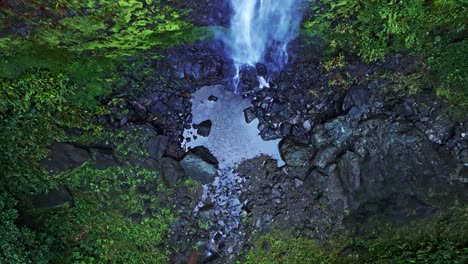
(357, 147)
(63, 157)
(171, 171)
(353, 152)
(200, 165)
(56, 197)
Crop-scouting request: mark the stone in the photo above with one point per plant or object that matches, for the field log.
(156, 146)
(204, 128)
(103, 159)
(263, 224)
(248, 78)
(298, 183)
(249, 114)
(171, 171)
(213, 98)
(198, 168)
(261, 69)
(53, 198)
(307, 125)
(63, 157)
(326, 156)
(205, 154)
(295, 153)
(440, 131)
(350, 172)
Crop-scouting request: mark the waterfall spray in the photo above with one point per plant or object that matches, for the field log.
(260, 33)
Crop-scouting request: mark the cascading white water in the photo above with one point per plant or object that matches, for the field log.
(261, 31)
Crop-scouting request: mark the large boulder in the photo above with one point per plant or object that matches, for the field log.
(103, 158)
(200, 165)
(295, 153)
(171, 171)
(63, 157)
(53, 198)
(156, 146)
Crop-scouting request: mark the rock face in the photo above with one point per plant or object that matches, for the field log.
(103, 158)
(360, 153)
(63, 157)
(156, 146)
(200, 165)
(145, 147)
(295, 153)
(204, 128)
(171, 171)
(53, 198)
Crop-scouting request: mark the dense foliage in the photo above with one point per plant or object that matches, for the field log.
(35, 110)
(441, 239)
(435, 30)
(58, 58)
(110, 28)
(20, 245)
(98, 227)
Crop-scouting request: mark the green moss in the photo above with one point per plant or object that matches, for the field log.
(441, 239)
(373, 29)
(114, 29)
(97, 229)
(93, 76)
(34, 111)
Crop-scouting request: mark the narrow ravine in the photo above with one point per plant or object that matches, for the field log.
(256, 48)
(231, 140)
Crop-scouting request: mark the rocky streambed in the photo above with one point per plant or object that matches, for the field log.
(347, 147)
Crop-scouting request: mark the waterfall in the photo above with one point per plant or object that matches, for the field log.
(261, 31)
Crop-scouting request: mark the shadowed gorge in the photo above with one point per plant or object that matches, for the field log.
(233, 131)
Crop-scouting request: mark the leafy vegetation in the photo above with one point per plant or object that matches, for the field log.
(20, 245)
(435, 30)
(441, 239)
(98, 227)
(34, 111)
(36, 108)
(110, 28)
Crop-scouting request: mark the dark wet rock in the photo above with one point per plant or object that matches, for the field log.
(349, 172)
(213, 98)
(103, 158)
(248, 79)
(261, 69)
(64, 157)
(198, 168)
(295, 153)
(156, 146)
(317, 181)
(171, 171)
(205, 154)
(396, 208)
(326, 156)
(249, 114)
(204, 128)
(389, 156)
(440, 130)
(201, 64)
(263, 224)
(356, 101)
(207, 213)
(53, 198)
